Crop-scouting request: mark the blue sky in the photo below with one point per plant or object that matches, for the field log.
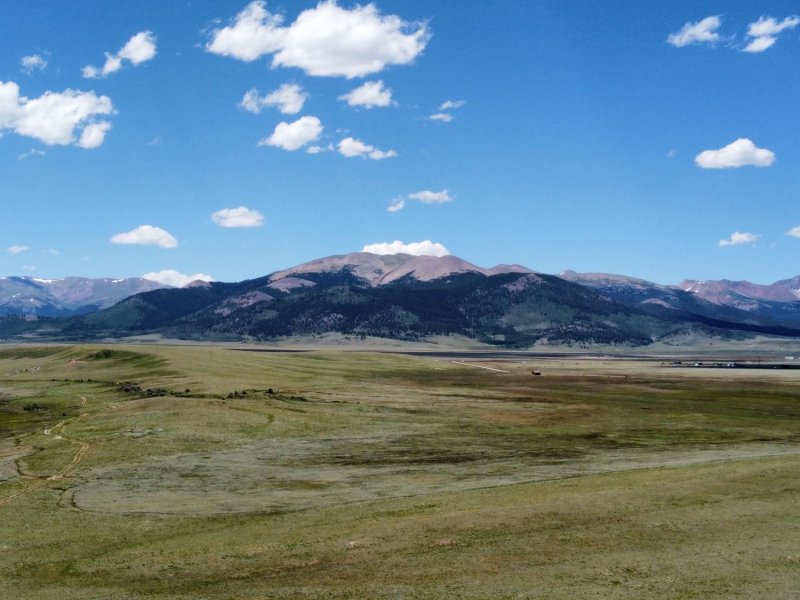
(653, 139)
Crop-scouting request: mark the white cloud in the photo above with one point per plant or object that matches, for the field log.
(325, 41)
(397, 204)
(740, 153)
(16, 249)
(369, 95)
(94, 135)
(289, 99)
(769, 26)
(252, 102)
(794, 232)
(446, 117)
(291, 136)
(425, 196)
(765, 32)
(146, 235)
(90, 72)
(443, 117)
(704, 31)
(32, 63)
(319, 149)
(760, 44)
(351, 147)
(739, 239)
(140, 48)
(426, 248)
(238, 217)
(29, 153)
(176, 278)
(429, 197)
(254, 33)
(53, 118)
(452, 104)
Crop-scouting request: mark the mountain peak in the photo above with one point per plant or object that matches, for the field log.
(724, 291)
(381, 269)
(515, 268)
(198, 283)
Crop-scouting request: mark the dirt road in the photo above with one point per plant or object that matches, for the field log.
(57, 432)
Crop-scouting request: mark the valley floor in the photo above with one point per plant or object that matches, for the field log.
(200, 472)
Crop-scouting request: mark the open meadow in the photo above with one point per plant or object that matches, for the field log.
(200, 472)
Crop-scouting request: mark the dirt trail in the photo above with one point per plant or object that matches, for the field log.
(466, 364)
(39, 480)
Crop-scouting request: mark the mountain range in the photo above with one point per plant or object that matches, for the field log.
(412, 297)
(68, 296)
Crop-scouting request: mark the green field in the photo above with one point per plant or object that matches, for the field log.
(200, 472)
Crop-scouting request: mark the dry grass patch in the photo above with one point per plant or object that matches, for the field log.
(352, 475)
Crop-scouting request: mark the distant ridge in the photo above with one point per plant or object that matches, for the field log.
(66, 296)
(724, 291)
(777, 304)
(407, 297)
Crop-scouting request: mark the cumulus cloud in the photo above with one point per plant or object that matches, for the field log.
(289, 99)
(369, 95)
(32, 63)
(760, 44)
(254, 32)
(425, 196)
(426, 248)
(146, 235)
(794, 232)
(140, 48)
(55, 118)
(16, 249)
(770, 26)
(704, 31)
(740, 153)
(238, 217)
(176, 278)
(738, 239)
(765, 31)
(325, 41)
(319, 149)
(351, 147)
(94, 135)
(292, 136)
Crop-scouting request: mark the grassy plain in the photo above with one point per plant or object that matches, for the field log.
(201, 472)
